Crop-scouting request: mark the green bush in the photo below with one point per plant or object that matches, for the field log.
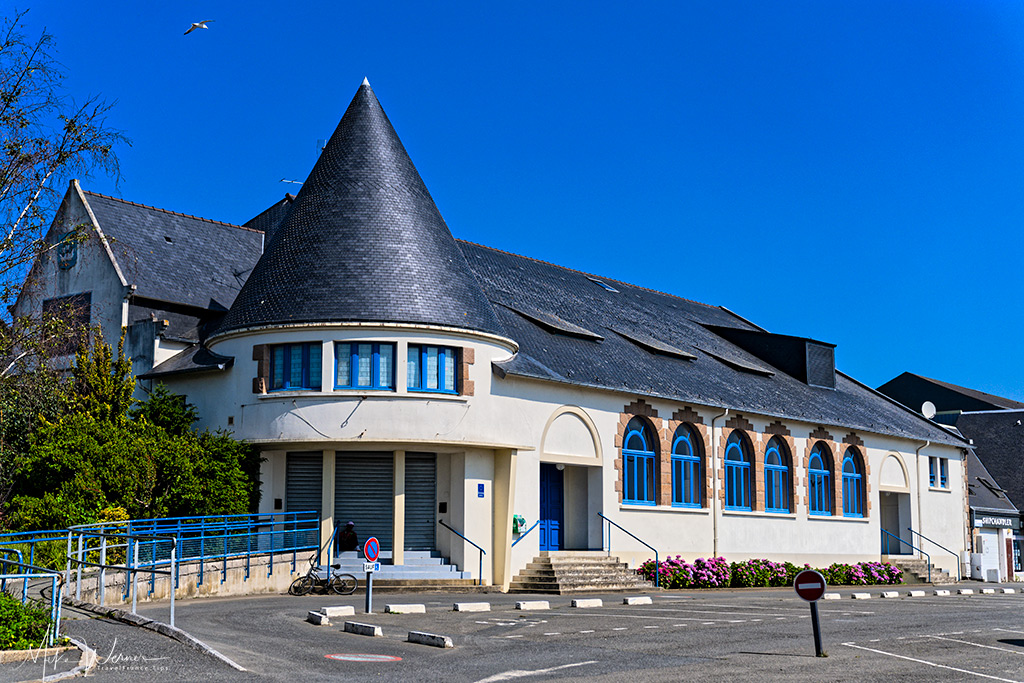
(22, 627)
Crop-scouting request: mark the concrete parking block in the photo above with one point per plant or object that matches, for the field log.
(472, 607)
(861, 596)
(965, 591)
(643, 600)
(941, 592)
(1009, 590)
(405, 609)
(831, 596)
(532, 605)
(430, 639)
(587, 602)
(338, 611)
(916, 594)
(363, 629)
(318, 618)
(988, 591)
(890, 594)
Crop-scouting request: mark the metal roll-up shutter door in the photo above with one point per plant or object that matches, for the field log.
(303, 482)
(420, 500)
(364, 493)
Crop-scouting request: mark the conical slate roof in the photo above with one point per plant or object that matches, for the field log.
(363, 242)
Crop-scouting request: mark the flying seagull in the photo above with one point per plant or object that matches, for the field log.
(199, 24)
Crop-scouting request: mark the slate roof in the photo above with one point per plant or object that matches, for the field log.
(913, 390)
(363, 242)
(999, 442)
(195, 358)
(722, 374)
(983, 492)
(175, 257)
(268, 220)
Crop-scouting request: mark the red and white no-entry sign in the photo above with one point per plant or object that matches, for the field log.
(809, 585)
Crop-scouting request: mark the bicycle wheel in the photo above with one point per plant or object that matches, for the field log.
(301, 586)
(343, 584)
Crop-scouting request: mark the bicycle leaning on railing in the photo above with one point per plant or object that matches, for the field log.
(320, 580)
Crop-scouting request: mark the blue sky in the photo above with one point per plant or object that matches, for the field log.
(847, 171)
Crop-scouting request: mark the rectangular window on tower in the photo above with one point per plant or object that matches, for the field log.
(432, 368)
(364, 365)
(295, 366)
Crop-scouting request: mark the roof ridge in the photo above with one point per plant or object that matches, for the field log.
(168, 211)
(586, 274)
(976, 392)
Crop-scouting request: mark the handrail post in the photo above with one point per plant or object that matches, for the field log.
(172, 579)
(135, 573)
(103, 567)
(78, 571)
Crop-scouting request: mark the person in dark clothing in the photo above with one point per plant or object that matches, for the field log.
(347, 539)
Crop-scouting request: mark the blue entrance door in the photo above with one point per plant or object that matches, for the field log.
(552, 493)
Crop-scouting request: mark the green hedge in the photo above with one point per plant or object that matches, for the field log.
(22, 627)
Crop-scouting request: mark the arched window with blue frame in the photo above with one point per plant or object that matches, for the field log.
(687, 479)
(776, 476)
(640, 461)
(737, 472)
(819, 480)
(853, 484)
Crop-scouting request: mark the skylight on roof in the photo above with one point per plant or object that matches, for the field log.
(654, 345)
(737, 364)
(602, 284)
(552, 323)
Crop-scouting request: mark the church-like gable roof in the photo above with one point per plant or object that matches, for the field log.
(363, 241)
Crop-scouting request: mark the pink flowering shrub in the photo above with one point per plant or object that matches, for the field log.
(716, 572)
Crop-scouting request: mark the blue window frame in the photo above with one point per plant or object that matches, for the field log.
(686, 470)
(819, 478)
(364, 365)
(737, 472)
(295, 366)
(776, 476)
(431, 368)
(640, 464)
(938, 472)
(853, 485)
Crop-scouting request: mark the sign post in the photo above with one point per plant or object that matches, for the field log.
(371, 551)
(810, 586)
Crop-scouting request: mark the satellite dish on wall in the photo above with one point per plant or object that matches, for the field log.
(928, 409)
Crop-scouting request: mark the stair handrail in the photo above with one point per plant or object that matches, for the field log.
(522, 536)
(480, 568)
(887, 534)
(959, 574)
(657, 564)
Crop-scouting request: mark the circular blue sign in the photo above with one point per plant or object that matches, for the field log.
(372, 549)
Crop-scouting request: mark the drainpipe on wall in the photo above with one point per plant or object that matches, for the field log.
(714, 479)
(917, 465)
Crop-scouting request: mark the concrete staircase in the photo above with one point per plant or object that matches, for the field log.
(915, 570)
(422, 570)
(571, 571)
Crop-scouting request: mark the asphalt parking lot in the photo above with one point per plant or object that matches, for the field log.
(744, 634)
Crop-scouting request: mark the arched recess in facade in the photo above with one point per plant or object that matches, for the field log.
(570, 432)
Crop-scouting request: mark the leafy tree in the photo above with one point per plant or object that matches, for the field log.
(166, 409)
(45, 139)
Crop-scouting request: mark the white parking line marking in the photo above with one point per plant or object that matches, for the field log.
(556, 633)
(518, 673)
(925, 661)
(620, 628)
(513, 636)
(590, 631)
(652, 627)
(987, 647)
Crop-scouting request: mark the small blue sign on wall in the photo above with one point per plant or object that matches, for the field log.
(479, 490)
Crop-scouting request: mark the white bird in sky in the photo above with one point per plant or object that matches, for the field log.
(199, 24)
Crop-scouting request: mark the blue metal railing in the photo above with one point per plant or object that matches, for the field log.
(524, 535)
(885, 544)
(608, 546)
(26, 571)
(480, 570)
(917, 533)
(27, 541)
